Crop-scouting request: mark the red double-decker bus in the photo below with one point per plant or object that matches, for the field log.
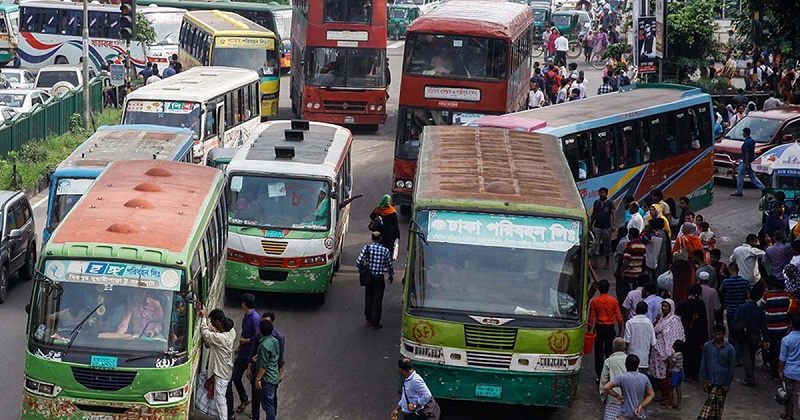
(339, 61)
(464, 60)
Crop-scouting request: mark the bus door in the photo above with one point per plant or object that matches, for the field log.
(220, 116)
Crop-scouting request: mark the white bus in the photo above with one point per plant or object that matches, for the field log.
(166, 22)
(289, 193)
(219, 104)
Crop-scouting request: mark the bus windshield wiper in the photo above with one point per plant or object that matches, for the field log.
(77, 330)
(167, 353)
(417, 230)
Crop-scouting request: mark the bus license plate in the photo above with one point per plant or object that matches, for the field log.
(488, 391)
(104, 362)
(349, 120)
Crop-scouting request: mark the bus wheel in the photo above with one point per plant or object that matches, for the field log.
(373, 128)
(231, 294)
(337, 264)
(61, 60)
(318, 299)
(405, 210)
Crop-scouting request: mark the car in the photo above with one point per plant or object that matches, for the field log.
(19, 78)
(18, 243)
(22, 100)
(60, 78)
(7, 114)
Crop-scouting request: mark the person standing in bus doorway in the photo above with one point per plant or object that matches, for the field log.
(416, 401)
(748, 155)
(377, 259)
(602, 221)
(385, 217)
(220, 360)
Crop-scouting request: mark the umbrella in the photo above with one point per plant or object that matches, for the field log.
(783, 160)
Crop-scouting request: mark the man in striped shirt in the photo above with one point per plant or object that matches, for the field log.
(632, 261)
(775, 303)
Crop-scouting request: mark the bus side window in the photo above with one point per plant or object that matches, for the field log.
(631, 150)
(678, 135)
(704, 131)
(197, 278)
(605, 152)
(255, 98)
(653, 136)
(229, 110)
(211, 119)
(570, 146)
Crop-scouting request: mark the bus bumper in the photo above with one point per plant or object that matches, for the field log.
(509, 387)
(340, 119)
(35, 407)
(244, 276)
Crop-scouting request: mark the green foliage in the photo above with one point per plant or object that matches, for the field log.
(144, 30)
(616, 51)
(38, 158)
(780, 19)
(690, 36)
(709, 86)
(76, 123)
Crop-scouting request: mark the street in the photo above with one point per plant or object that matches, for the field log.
(336, 367)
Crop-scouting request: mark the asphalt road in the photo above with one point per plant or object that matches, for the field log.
(336, 367)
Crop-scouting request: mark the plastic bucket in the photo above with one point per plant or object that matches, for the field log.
(588, 342)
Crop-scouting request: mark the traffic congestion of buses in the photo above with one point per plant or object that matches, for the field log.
(243, 201)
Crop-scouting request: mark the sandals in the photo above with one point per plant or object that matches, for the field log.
(242, 406)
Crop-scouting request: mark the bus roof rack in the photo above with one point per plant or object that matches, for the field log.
(293, 135)
(284, 152)
(300, 125)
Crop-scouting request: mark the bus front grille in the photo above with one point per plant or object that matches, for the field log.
(103, 380)
(345, 106)
(489, 360)
(490, 337)
(274, 247)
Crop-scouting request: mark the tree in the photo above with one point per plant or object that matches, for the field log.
(144, 30)
(779, 19)
(690, 36)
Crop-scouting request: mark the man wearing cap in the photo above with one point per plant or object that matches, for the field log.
(378, 260)
(710, 298)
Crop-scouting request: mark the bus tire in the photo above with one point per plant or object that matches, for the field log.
(3, 283)
(60, 59)
(373, 128)
(318, 299)
(231, 295)
(405, 210)
(337, 264)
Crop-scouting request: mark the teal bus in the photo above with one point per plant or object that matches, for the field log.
(9, 32)
(497, 268)
(113, 328)
(73, 176)
(289, 191)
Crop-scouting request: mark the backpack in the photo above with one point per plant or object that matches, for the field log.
(376, 224)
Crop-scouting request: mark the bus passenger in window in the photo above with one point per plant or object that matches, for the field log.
(177, 328)
(328, 73)
(144, 316)
(441, 63)
(360, 11)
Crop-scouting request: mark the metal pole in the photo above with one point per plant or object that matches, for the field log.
(86, 106)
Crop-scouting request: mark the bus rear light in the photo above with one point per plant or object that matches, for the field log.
(41, 388)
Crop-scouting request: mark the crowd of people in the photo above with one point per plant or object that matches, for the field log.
(683, 314)
(553, 83)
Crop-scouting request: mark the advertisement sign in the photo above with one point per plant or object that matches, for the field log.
(661, 16)
(458, 94)
(503, 231)
(244, 42)
(162, 107)
(114, 274)
(646, 44)
(117, 74)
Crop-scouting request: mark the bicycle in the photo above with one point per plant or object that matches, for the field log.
(575, 49)
(538, 49)
(597, 60)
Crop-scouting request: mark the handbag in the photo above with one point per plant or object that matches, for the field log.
(666, 281)
(364, 273)
(682, 254)
(430, 410)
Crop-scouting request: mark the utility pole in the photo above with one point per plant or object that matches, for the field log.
(87, 111)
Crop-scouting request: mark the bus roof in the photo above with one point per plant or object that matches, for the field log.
(215, 21)
(117, 142)
(618, 104)
(197, 84)
(319, 153)
(478, 164)
(486, 18)
(51, 4)
(120, 207)
(154, 9)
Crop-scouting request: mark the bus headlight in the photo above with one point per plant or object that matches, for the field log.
(41, 388)
(166, 397)
(372, 107)
(309, 105)
(409, 184)
(380, 108)
(316, 105)
(315, 260)
(399, 183)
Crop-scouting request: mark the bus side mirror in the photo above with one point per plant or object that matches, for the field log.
(334, 195)
(787, 137)
(191, 298)
(28, 309)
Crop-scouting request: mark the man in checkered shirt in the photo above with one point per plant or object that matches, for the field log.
(605, 87)
(379, 260)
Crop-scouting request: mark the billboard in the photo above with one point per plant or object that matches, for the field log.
(661, 16)
(646, 44)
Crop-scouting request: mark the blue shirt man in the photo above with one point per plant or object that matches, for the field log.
(790, 353)
(415, 393)
(169, 71)
(734, 290)
(748, 156)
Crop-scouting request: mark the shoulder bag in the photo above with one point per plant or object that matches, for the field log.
(364, 273)
(430, 410)
(682, 254)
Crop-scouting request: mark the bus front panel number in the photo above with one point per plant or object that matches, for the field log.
(488, 391)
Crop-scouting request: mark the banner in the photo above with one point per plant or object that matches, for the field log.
(244, 42)
(661, 16)
(646, 44)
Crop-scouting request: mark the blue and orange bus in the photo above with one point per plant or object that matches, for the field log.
(631, 142)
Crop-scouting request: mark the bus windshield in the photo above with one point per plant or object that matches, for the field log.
(398, 13)
(166, 113)
(411, 121)
(351, 11)
(166, 25)
(279, 202)
(503, 265)
(561, 20)
(539, 15)
(265, 62)
(68, 192)
(761, 129)
(456, 56)
(128, 307)
(346, 67)
(283, 21)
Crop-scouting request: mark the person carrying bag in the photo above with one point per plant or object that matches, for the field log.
(373, 261)
(416, 401)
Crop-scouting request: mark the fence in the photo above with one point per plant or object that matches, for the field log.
(51, 118)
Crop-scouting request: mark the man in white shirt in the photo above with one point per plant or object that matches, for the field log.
(636, 219)
(747, 256)
(220, 341)
(562, 45)
(772, 101)
(640, 336)
(535, 96)
(581, 85)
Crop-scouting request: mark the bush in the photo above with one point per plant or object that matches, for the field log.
(38, 158)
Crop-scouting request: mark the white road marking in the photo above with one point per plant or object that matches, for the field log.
(396, 44)
(40, 202)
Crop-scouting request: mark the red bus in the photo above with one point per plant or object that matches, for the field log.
(339, 65)
(463, 60)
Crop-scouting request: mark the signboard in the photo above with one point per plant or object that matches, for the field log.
(646, 44)
(244, 42)
(162, 107)
(117, 74)
(358, 36)
(73, 186)
(503, 231)
(459, 94)
(661, 18)
(114, 274)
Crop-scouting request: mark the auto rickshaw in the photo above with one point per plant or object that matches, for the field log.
(779, 170)
(400, 16)
(220, 158)
(541, 18)
(568, 22)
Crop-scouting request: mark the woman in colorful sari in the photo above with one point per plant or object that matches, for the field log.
(668, 328)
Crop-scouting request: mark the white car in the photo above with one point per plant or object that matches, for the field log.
(19, 78)
(22, 100)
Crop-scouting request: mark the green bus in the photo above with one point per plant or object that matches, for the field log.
(495, 281)
(289, 193)
(113, 330)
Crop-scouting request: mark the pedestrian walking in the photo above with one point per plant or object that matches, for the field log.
(249, 330)
(267, 372)
(695, 325)
(640, 336)
(668, 329)
(748, 156)
(734, 291)
(603, 314)
(251, 371)
(675, 376)
(634, 297)
(220, 341)
(632, 263)
(561, 45)
(653, 301)
(389, 225)
(746, 257)
(775, 302)
(637, 392)
(416, 401)
(614, 365)
(716, 372)
(602, 222)
(683, 268)
(748, 338)
(777, 255)
(378, 260)
(789, 367)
